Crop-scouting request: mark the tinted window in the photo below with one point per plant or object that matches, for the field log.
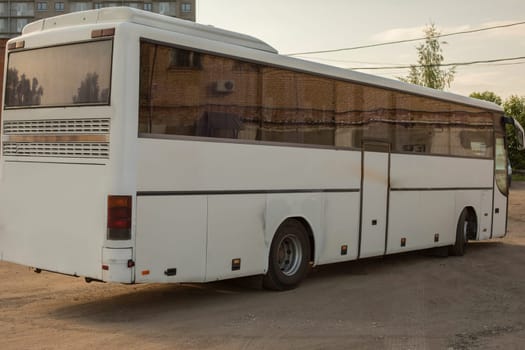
(185, 92)
(76, 74)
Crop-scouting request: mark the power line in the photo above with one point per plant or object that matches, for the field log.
(444, 64)
(507, 64)
(404, 41)
(393, 65)
(349, 61)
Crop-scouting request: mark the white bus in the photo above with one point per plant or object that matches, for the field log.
(142, 148)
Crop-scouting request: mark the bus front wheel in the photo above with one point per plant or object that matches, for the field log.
(465, 226)
(289, 257)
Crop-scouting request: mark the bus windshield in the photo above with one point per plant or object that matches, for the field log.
(76, 74)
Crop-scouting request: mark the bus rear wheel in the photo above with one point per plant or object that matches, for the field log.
(289, 257)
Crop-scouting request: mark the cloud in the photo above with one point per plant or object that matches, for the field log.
(396, 34)
(504, 80)
(507, 32)
(404, 33)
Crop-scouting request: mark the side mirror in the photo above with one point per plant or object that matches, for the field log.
(520, 133)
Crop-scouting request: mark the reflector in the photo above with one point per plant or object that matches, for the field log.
(98, 33)
(16, 45)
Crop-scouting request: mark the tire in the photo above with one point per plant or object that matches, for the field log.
(460, 246)
(289, 259)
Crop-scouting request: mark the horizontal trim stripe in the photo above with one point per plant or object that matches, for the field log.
(329, 190)
(238, 192)
(57, 138)
(420, 189)
(44, 162)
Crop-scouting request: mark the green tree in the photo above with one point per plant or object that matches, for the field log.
(487, 96)
(514, 107)
(428, 70)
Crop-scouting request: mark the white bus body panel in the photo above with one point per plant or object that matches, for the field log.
(417, 216)
(426, 200)
(341, 227)
(427, 172)
(52, 216)
(245, 200)
(235, 231)
(184, 165)
(171, 233)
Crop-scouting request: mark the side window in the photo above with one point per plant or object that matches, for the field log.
(296, 108)
(190, 93)
(475, 142)
(413, 138)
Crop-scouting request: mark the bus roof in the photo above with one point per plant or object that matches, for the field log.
(150, 19)
(146, 18)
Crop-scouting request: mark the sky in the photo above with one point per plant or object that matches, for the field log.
(293, 26)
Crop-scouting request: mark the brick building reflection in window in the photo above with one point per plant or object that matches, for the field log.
(181, 58)
(185, 7)
(41, 6)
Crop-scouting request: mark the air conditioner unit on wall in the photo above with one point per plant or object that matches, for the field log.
(224, 86)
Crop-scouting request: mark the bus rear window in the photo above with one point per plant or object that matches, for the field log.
(67, 75)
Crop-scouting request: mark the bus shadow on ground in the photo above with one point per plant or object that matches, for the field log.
(401, 260)
(140, 303)
(137, 303)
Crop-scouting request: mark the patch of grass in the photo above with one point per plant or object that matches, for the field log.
(518, 177)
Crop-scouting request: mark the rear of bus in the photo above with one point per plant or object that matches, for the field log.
(64, 187)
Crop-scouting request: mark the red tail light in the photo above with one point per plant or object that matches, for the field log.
(119, 217)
